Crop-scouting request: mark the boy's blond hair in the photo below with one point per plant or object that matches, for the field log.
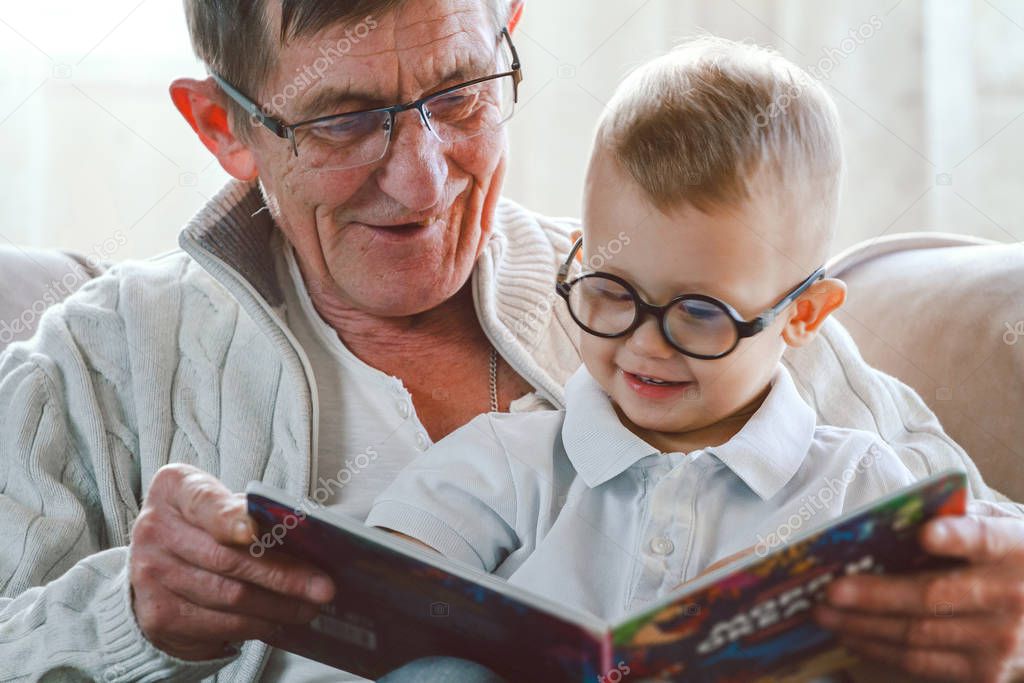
(715, 122)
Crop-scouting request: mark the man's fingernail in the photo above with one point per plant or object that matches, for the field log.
(241, 531)
(938, 533)
(319, 588)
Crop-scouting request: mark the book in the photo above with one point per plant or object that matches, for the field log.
(748, 621)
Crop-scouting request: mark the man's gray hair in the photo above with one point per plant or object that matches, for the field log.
(239, 40)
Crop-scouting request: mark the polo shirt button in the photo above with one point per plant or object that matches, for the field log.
(403, 409)
(422, 442)
(661, 545)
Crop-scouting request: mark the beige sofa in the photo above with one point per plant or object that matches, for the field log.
(943, 313)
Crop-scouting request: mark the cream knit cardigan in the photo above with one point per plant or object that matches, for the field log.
(185, 358)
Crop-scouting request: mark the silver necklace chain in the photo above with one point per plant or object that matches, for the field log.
(494, 380)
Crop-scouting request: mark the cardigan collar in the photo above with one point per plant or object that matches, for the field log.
(513, 281)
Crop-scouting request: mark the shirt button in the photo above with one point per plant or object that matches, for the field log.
(422, 442)
(661, 545)
(403, 409)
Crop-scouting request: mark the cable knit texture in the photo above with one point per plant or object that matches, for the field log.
(184, 358)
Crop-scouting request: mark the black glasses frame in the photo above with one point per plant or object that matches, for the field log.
(744, 328)
(287, 130)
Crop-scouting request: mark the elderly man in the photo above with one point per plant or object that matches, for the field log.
(360, 291)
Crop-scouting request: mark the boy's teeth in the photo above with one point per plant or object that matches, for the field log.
(651, 380)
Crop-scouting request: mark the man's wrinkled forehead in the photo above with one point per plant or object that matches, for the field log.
(412, 49)
(413, 30)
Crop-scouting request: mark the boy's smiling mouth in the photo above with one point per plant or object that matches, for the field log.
(652, 386)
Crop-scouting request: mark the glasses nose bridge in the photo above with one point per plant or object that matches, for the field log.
(645, 309)
(424, 117)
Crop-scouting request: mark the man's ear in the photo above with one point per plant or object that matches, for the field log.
(200, 102)
(812, 309)
(516, 14)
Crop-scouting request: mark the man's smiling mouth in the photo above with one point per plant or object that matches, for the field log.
(401, 231)
(418, 222)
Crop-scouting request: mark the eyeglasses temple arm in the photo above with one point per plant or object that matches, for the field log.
(253, 109)
(563, 270)
(517, 67)
(768, 317)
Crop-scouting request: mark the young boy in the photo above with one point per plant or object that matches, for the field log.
(712, 197)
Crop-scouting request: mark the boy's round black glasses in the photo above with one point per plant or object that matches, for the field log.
(696, 325)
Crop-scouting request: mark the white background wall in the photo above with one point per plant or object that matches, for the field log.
(932, 103)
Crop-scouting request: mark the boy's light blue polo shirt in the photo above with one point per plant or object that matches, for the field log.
(572, 505)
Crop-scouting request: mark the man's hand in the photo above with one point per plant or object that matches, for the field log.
(964, 624)
(195, 586)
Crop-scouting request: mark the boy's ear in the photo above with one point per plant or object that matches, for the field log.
(812, 309)
(200, 102)
(516, 14)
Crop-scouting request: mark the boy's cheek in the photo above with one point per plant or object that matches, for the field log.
(599, 346)
(599, 356)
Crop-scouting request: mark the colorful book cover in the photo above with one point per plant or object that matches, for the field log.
(398, 602)
(756, 624)
(748, 622)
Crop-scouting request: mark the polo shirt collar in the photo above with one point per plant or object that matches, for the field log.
(765, 454)
(599, 446)
(769, 450)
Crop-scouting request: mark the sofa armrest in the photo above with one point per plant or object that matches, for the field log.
(32, 281)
